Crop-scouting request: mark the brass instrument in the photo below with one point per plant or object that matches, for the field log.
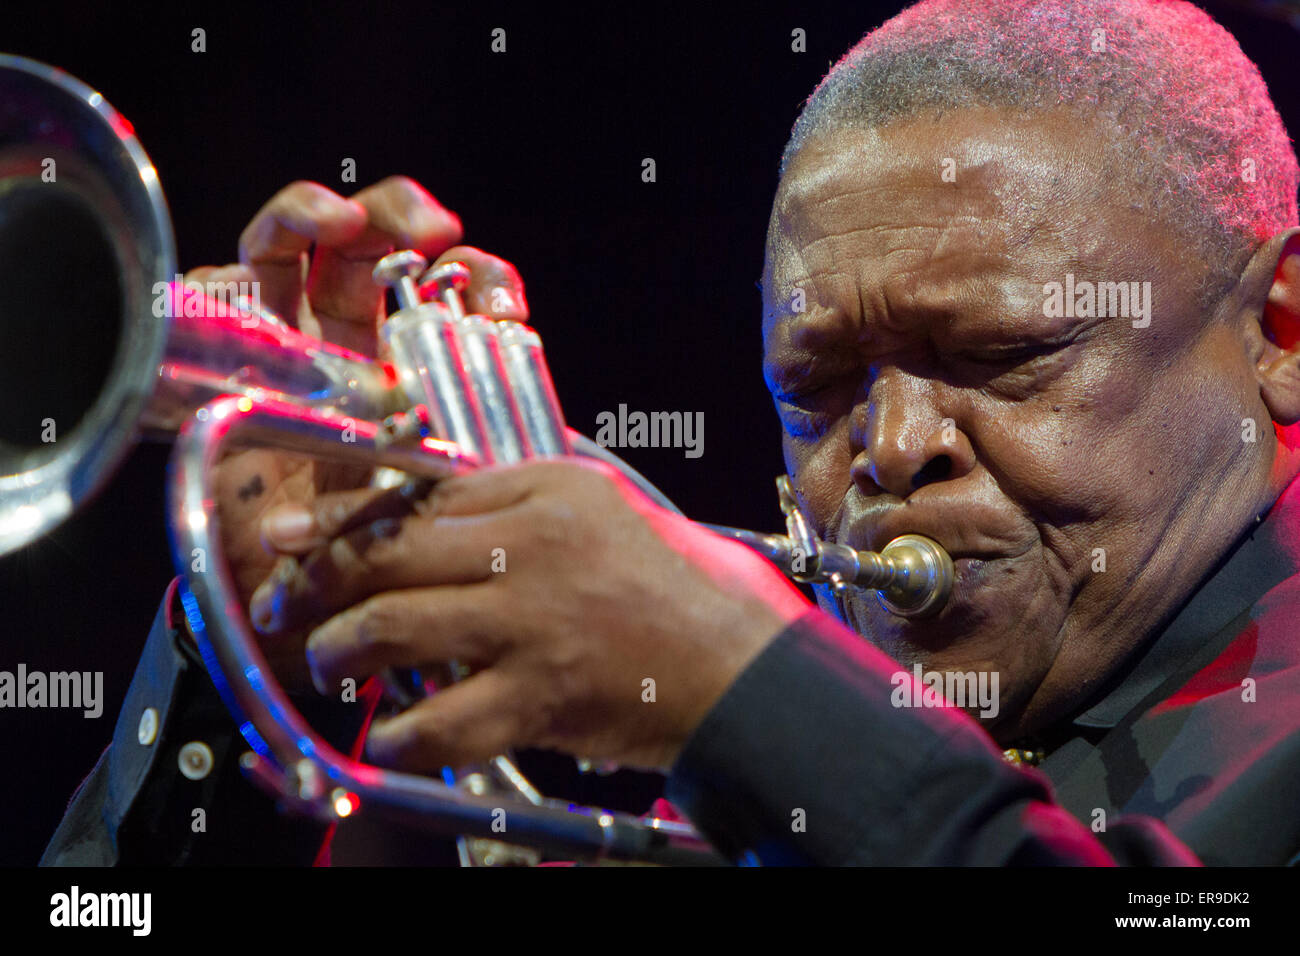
(79, 197)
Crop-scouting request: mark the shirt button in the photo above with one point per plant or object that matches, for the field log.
(148, 729)
(196, 760)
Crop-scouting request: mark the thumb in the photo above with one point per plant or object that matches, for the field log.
(297, 527)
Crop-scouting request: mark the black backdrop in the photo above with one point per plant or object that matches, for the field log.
(645, 292)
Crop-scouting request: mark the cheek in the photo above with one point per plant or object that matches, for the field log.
(1127, 439)
(1049, 462)
(821, 473)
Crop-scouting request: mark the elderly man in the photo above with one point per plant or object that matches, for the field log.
(1032, 288)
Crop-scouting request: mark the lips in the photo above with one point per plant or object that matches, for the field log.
(966, 530)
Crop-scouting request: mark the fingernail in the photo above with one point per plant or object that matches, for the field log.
(288, 524)
(321, 635)
(262, 609)
(381, 740)
(266, 609)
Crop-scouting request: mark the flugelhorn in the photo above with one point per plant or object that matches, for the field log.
(79, 197)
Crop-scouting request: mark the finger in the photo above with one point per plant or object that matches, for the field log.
(233, 272)
(343, 294)
(502, 488)
(495, 288)
(385, 555)
(275, 241)
(246, 483)
(298, 527)
(488, 490)
(466, 723)
(224, 285)
(404, 212)
(409, 628)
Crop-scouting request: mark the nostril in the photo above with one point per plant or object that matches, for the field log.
(936, 469)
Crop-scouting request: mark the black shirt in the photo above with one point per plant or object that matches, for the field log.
(1192, 751)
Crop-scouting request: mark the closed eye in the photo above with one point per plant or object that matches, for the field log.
(1011, 356)
(1014, 371)
(808, 412)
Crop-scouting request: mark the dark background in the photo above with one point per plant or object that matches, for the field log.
(645, 293)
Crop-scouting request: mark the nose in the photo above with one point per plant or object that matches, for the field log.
(901, 439)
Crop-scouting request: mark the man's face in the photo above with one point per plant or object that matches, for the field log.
(1083, 473)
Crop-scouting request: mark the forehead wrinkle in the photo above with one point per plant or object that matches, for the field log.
(924, 222)
(1021, 195)
(1027, 185)
(966, 262)
(926, 272)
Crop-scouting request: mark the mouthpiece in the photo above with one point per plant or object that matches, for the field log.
(912, 574)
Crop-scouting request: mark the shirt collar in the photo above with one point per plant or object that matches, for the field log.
(1260, 560)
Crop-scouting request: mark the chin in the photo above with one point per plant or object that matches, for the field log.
(986, 598)
(984, 628)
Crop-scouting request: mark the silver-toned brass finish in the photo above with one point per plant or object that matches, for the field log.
(480, 351)
(912, 573)
(530, 381)
(398, 270)
(445, 283)
(211, 350)
(49, 117)
(444, 362)
(426, 352)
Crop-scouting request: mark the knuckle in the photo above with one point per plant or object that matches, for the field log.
(446, 491)
(478, 624)
(335, 571)
(301, 190)
(560, 686)
(402, 183)
(341, 557)
(508, 275)
(300, 196)
(552, 522)
(592, 478)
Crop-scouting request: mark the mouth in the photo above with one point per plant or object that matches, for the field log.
(969, 547)
(981, 559)
(971, 600)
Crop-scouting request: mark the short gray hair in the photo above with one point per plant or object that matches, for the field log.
(1201, 137)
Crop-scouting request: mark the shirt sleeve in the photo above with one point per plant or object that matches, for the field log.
(137, 807)
(805, 761)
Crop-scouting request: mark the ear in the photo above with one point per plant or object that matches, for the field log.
(1274, 333)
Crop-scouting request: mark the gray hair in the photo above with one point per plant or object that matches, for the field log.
(1194, 127)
